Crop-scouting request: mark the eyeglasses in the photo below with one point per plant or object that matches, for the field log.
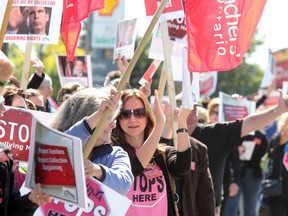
(138, 113)
(40, 108)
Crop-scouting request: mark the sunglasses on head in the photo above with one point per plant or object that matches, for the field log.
(138, 113)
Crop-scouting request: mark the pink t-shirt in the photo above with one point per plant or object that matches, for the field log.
(148, 193)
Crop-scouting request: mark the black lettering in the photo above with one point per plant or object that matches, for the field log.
(161, 184)
(144, 198)
(51, 213)
(143, 183)
(151, 183)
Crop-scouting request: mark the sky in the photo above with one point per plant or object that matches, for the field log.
(272, 27)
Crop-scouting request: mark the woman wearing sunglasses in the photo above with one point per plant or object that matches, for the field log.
(138, 131)
(79, 115)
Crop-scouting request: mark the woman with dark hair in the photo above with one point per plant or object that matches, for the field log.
(79, 115)
(138, 131)
(15, 97)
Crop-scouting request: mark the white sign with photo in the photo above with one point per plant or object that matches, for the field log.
(78, 71)
(34, 21)
(125, 39)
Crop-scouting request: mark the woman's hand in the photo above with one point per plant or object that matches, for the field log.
(182, 117)
(37, 196)
(110, 102)
(159, 112)
(92, 170)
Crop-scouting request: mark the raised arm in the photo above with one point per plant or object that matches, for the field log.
(261, 119)
(6, 70)
(148, 148)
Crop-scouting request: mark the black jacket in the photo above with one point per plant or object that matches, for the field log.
(11, 201)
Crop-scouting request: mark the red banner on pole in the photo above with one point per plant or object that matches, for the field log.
(74, 11)
(220, 32)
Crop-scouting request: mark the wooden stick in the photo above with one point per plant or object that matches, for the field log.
(170, 81)
(125, 78)
(26, 66)
(5, 21)
(162, 82)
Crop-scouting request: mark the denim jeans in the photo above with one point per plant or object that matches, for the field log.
(232, 205)
(250, 190)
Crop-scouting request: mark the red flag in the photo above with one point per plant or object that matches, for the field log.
(220, 32)
(74, 11)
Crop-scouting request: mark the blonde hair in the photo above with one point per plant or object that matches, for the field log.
(282, 122)
(213, 103)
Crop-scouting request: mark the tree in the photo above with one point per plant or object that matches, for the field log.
(45, 53)
(246, 78)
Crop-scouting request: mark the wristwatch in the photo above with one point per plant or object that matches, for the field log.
(182, 130)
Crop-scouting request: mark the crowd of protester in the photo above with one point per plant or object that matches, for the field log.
(201, 175)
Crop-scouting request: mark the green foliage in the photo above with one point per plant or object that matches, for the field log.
(45, 53)
(243, 80)
(246, 78)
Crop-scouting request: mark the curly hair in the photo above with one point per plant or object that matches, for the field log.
(78, 106)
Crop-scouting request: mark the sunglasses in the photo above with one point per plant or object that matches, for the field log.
(138, 113)
(40, 108)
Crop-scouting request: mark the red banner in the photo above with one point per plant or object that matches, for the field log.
(74, 11)
(220, 32)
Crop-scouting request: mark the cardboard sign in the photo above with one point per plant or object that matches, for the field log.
(173, 9)
(232, 108)
(26, 29)
(53, 161)
(78, 71)
(102, 201)
(15, 132)
(56, 161)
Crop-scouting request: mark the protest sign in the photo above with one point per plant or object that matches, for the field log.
(56, 162)
(231, 108)
(248, 148)
(208, 83)
(102, 200)
(36, 18)
(190, 85)
(15, 130)
(125, 39)
(147, 77)
(173, 9)
(157, 52)
(78, 71)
